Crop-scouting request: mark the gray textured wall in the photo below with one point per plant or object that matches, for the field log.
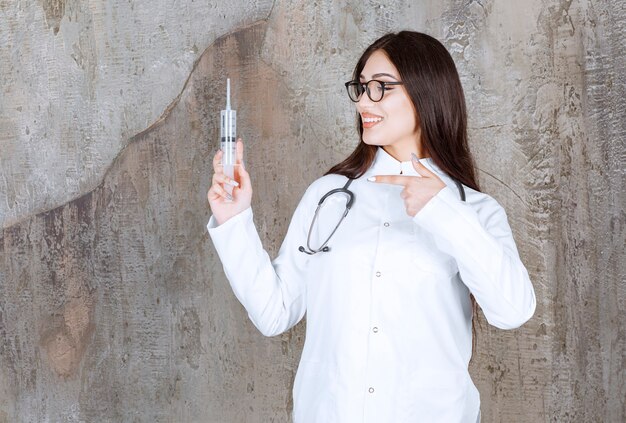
(113, 304)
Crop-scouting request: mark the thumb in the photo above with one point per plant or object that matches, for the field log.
(418, 166)
(244, 177)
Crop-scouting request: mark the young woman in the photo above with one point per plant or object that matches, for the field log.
(388, 289)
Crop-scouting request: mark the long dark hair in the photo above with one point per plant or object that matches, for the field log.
(433, 85)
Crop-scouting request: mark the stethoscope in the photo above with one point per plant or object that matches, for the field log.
(344, 190)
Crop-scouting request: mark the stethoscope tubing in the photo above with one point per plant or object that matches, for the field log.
(324, 248)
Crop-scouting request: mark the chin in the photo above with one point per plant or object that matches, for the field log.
(370, 141)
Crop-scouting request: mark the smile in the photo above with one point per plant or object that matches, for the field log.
(370, 121)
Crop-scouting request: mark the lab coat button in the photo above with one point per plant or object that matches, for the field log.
(386, 224)
(375, 329)
(378, 274)
(371, 390)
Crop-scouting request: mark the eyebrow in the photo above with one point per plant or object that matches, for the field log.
(376, 75)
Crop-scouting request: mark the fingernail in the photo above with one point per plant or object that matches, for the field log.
(415, 157)
(233, 183)
(372, 179)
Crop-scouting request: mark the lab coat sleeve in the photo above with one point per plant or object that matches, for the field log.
(478, 236)
(273, 293)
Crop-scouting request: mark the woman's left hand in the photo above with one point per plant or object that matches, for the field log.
(418, 190)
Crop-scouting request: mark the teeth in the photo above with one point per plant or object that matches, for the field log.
(368, 120)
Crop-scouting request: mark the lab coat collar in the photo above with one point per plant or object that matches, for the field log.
(385, 164)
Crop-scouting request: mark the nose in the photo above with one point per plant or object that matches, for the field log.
(365, 100)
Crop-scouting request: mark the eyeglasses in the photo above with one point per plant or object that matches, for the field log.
(375, 89)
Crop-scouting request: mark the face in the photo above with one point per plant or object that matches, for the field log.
(390, 122)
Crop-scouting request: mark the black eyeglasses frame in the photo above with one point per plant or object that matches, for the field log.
(366, 89)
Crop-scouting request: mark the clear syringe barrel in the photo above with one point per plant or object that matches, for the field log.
(228, 144)
(228, 138)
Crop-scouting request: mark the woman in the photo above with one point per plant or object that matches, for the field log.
(387, 297)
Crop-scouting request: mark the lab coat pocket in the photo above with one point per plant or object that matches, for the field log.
(436, 396)
(427, 257)
(438, 379)
(313, 394)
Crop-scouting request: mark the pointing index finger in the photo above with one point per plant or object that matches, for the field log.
(390, 179)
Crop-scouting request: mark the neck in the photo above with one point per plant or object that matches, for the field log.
(404, 154)
(402, 149)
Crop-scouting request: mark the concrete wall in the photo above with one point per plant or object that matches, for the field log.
(113, 304)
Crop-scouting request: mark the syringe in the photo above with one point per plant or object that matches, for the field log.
(228, 139)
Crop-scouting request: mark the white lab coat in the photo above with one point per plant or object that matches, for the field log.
(388, 334)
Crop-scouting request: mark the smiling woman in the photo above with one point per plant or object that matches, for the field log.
(389, 298)
(391, 123)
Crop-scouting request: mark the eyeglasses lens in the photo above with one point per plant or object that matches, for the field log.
(375, 90)
(355, 89)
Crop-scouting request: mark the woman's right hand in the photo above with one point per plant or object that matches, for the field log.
(219, 200)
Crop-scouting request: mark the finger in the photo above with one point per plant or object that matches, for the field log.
(407, 207)
(213, 195)
(391, 179)
(223, 179)
(217, 162)
(420, 168)
(210, 195)
(423, 170)
(244, 177)
(217, 188)
(239, 152)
